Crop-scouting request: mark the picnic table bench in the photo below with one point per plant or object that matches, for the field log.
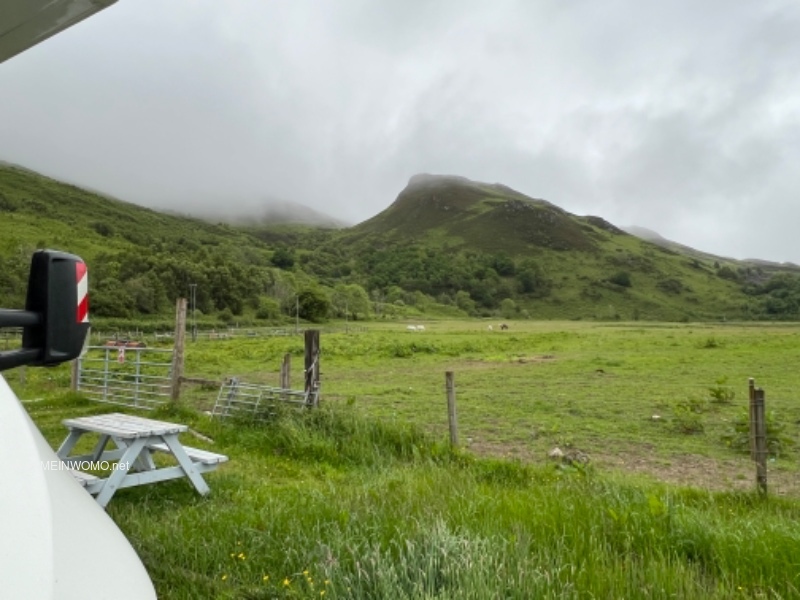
(136, 440)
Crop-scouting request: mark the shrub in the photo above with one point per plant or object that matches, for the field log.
(711, 343)
(670, 286)
(283, 258)
(738, 436)
(622, 279)
(721, 393)
(103, 229)
(687, 416)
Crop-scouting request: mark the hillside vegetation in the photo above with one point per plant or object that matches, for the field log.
(446, 246)
(491, 250)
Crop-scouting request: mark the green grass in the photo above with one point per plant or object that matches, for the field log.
(364, 499)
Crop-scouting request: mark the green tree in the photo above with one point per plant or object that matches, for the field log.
(503, 264)
(283, 258)
(314, 305)
(531, 279)
(508, 308)
(465, 302)
(268, 309)
(351, 300)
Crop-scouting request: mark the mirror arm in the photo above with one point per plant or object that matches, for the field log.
(21, 356)
(19, 318)
(18, 358)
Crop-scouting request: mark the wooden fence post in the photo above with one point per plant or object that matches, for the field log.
(451, 407)
(759, 426)
(75, 374)
(177, 353)
(751, 385)
(312, 366)
(286, 372)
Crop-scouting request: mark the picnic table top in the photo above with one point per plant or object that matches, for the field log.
(124, 426)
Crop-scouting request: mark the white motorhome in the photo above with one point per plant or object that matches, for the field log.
(56, 542)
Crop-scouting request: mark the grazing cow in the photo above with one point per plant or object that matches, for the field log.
(503, 327)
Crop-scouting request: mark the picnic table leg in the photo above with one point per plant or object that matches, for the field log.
(69, 443)
(99, 448)
(186, 463)
(112, 483)
(144, 462)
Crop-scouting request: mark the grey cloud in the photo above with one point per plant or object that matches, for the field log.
(677, 116)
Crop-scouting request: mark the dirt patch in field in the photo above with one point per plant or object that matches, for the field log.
(687, 470)
(691, 470)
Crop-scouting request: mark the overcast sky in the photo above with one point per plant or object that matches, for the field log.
(679, 116)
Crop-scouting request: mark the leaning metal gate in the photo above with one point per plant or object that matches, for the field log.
(239, 399)
(128, 376)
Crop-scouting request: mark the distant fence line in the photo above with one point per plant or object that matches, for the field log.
(220, 334)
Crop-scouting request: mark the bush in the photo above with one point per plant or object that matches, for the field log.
(738, 437)
(670, 286)
(314, 305)
(687, 416)
(622, 279)
(721, 393)
(268, 309)
(283, 258)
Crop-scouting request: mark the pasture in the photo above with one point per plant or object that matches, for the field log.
(594, 387)
(363, 498)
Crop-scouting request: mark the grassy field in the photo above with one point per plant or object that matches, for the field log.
(592, 387)
(365, 499)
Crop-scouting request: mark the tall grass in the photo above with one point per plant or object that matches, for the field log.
(334, 502)
(362, 499)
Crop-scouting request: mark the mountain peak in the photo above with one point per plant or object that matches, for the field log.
(458, 211)
(421, 179)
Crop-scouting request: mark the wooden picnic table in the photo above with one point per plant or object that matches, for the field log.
(136, 439)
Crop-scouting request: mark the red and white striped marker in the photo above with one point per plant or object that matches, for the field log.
(82, 278)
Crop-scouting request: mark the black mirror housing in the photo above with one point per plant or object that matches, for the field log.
(55, 321)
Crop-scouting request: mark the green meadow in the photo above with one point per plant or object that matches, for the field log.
(365, 498)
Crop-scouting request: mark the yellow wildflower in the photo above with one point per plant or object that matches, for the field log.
(265, 578)
(286, 581)
(224, 577)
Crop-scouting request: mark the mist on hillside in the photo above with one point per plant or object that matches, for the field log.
(262, 212)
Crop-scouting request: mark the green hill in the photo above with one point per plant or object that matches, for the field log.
(493, 218)
(140, 260)
(444, 235)
(447, 245)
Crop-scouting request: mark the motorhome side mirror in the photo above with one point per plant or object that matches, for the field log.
(55, 321)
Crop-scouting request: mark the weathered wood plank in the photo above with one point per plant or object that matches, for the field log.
(196, 454)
